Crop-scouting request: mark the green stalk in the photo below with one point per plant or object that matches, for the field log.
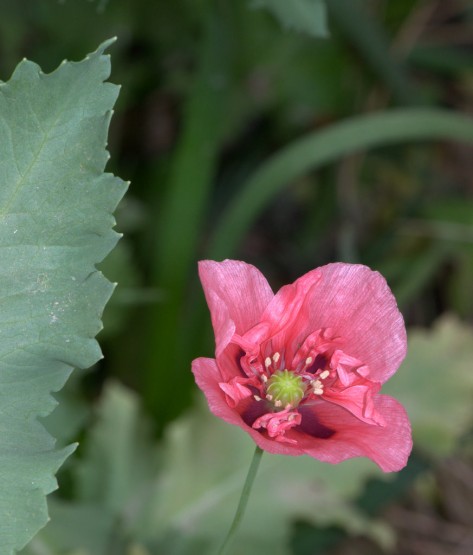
(245, 494)
(177, 236)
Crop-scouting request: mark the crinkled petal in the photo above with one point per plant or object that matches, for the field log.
(388, 446)
(207, 376)
(358, 304)
(235, 390)
(274, 446)
(358, 399)
(286, 315)
(237, 295)
(278, 423)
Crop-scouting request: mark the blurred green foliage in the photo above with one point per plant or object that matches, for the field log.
(245, 138)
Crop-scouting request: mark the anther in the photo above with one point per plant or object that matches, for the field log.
(269, 397)
(317, 387)
(257, 398)
(276, 357)
(278, 404)
(325, 374)
(267, 362)
(309, 360)
(264, 378)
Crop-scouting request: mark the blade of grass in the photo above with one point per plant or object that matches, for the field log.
(322, 147)
(181, 216)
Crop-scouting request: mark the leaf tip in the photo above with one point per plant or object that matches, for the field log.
(101, 49)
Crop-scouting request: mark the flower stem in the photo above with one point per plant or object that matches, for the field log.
(245, 494)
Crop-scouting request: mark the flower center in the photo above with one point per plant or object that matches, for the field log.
(285, 388)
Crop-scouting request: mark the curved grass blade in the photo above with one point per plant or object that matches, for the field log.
(325, 146)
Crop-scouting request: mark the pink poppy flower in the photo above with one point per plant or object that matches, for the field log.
(300, 371)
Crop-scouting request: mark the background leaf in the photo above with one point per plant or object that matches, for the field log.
(435, 384)
(119, 459)
(56, 223)
(306, 16)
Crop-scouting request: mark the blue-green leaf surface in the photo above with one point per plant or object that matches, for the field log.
(56, 222)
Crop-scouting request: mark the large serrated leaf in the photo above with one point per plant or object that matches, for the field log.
(56, 223)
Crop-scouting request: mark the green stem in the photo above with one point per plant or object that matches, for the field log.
(245, 494)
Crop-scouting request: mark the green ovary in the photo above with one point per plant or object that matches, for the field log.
(285, 388)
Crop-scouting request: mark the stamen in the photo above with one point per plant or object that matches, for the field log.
(278, 404)
(269, 397)
(324, 374)
(317, 387)
(267, 362)
(264, 378)
(309, 360)
(276, 357)
(257, 398)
